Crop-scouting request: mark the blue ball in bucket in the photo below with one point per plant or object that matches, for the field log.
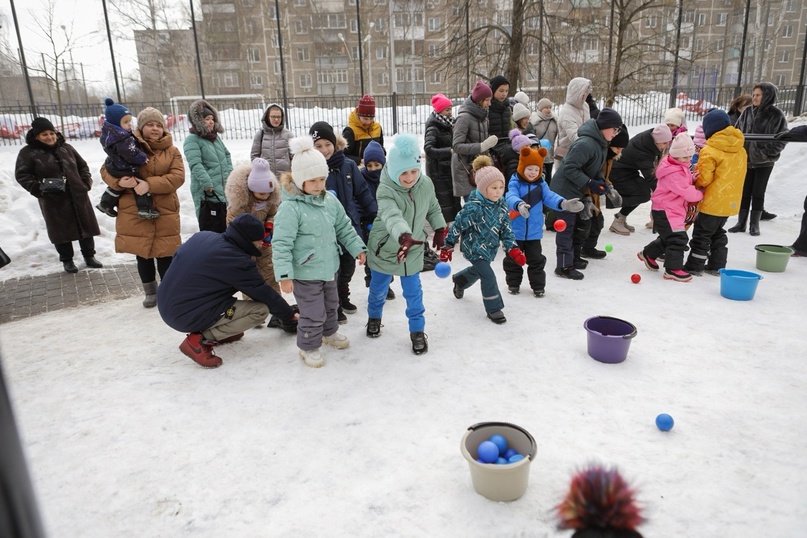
(609, 338)
(738, 285)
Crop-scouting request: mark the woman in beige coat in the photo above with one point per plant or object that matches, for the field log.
(155, 239)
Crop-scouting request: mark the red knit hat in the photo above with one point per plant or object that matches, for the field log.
(480, 92)
(366, 107)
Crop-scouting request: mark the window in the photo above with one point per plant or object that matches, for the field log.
(408, 19)
(719, 44)
(380, 2)
(787, 31)
(434, 51)
(335, 76)
(253, 55)
(299, 3)
(303, 55)
(689, 15)
(329, 20)
(354, 52)
(534, 22)
(351, 2)
(784, 57)
(382, 79)
(230, 79)
(305, 81)
(701, 19)
(434, 24)
(276, 67)
(651, 21)
(252, 27)
(381, 53)
(780, 80)
(299, 27)
(354, 26)
(381, 25)
(256, 81)
(532, 48)
(435, 78)
(685, 42)
(247, 3)
(790, 6)
(722, 18)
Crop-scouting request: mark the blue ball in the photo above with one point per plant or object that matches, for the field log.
(514, 458)
(545, 143)
(510, 452)
(488, 452)
(665, 422)
(442, 269)
(501, 461)
(500, 442)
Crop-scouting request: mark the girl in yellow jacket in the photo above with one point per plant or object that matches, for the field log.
(720, 173)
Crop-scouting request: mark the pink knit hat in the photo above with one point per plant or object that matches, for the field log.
(661, 133)
(485, 174)
(440, 102)
(699, 139)
(682, 146)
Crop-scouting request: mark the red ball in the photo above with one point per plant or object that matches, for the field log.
(559, 225)
(635, 278)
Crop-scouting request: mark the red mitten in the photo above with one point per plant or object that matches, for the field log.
(439, 239)
(268, 229)
(406, 241)
(446, 253)
(517, 255)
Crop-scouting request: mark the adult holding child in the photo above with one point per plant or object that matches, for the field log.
(470, 137)
(210, 164)
(152, 241)
(52, 171)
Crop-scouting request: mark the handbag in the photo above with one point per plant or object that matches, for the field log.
(4, 259)
(212, 214)
(471, 173)
(53, 184)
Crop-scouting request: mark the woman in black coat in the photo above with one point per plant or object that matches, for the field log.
(762, 117)
(634, 174)
(68, 215)
(437, 144)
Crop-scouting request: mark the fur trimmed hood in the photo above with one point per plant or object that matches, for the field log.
(196, 117)
(237, 191)
(341, 143)
(287, 184)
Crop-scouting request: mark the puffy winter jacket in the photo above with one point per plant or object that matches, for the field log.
(537, 195)
(437, 145)
(763, 119)
(124, 155)
(721, 173)
(208, 160)
(470, 129)
(583, 163)
(347, 181)
(574, 112)
(674, 191)
(483, 225)
(633, 175)
(272, 143)
(358, 136)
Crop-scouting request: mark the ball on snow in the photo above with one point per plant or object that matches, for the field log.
(635, 278)
(664, 422)
(442, 269)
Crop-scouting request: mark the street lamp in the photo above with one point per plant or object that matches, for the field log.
(347, 50)
(368, 40)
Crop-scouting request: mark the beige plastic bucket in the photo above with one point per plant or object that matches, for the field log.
(499, 482)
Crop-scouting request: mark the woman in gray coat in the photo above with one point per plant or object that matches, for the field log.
(271, 142)
(470, 137)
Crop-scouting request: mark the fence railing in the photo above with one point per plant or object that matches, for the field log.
(241, 116)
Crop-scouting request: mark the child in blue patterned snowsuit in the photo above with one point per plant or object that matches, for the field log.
(483, 223)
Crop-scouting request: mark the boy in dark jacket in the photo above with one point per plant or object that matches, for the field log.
(346, 181)
(197, 292)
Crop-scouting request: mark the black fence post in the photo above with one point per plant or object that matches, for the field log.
(394, 103)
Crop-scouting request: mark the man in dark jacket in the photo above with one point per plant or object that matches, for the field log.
(197, 293)
(579, 170)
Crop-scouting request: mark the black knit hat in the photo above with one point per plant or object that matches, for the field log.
(497, 81)
(715, 121)
(621, 139)
(40, 125)
(609, 118)
(323, 129)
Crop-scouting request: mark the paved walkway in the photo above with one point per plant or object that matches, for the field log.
(29, 296)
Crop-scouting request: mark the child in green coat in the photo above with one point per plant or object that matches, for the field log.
(405, 200)
(310, 224)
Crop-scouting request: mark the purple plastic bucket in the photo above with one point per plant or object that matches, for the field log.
(609, 338)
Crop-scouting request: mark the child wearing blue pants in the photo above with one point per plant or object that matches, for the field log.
(395, 246)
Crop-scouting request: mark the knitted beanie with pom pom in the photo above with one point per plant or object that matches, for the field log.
(307, 163)
(404, 156)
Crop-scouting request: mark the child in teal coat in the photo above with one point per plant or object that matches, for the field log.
(310, 225)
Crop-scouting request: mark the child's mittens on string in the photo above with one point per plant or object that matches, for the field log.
(517, 255)
(573, 205)
(523, 209)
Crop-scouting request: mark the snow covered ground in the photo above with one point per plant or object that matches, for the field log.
(125, 436)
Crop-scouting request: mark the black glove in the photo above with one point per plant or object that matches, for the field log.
(597, 187)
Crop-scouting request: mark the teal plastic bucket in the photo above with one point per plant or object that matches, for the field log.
(738, 285)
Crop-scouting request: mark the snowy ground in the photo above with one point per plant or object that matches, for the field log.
(127, 437)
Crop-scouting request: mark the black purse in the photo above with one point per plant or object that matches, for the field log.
(212, 214)
(51, 185)
(4, 259)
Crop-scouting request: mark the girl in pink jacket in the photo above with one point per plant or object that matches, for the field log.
(674, 191)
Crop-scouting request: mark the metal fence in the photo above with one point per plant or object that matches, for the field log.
(241, 116)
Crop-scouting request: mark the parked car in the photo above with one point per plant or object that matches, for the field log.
(9, 128)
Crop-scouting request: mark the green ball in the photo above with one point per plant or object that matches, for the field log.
(608, 248)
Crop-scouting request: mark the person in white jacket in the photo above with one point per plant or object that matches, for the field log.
(572, 115)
